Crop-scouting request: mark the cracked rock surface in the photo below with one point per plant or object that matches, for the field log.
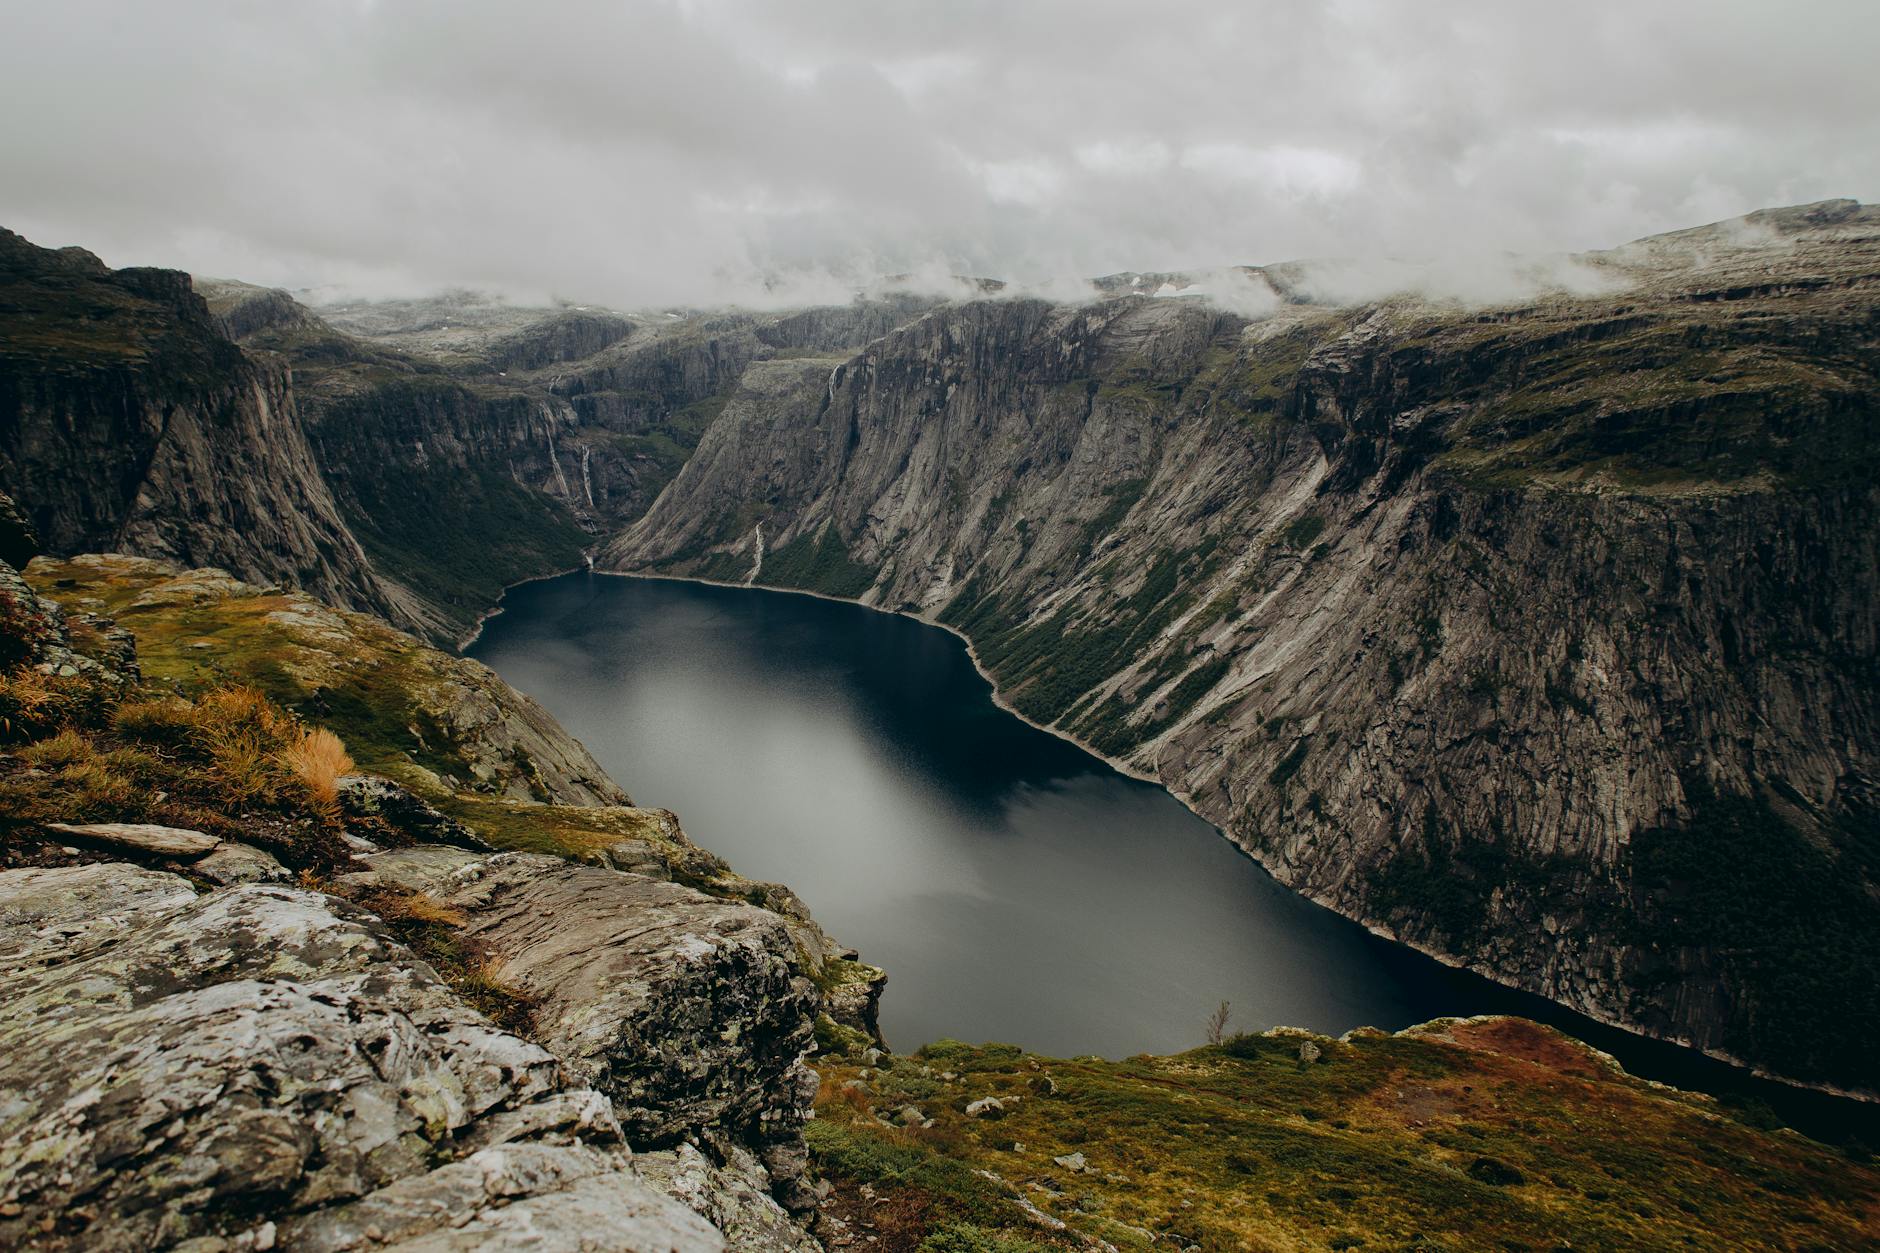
(263, 1064)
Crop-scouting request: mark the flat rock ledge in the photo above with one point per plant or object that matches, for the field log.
(263, 1066)
(177, 843)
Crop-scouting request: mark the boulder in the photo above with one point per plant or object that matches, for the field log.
(733, 1197)
(263, 1064)
(233, 863)
(691, 1013)
(990, 1107)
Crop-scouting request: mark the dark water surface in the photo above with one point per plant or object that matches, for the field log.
(1014, 887)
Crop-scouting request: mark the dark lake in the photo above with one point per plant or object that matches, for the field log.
(1014, 887)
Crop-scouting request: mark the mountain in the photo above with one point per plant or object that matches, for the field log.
(1525, 615)
(1529, 619)
(1540, 635)
(129, 421)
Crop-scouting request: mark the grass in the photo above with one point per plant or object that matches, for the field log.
(318, 758)
(380, 691)
(1495, 1134)
(227, 762)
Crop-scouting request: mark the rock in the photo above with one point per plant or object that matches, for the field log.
(174, 843)
(1044, 1085)
(48, 911)
(1309, 1052)
(1492, 1170)
(733, 1197)
(370, 796)
(910, 1116)
(232, 863)
(18, 543)
(1073, 1162)
(691, 1013)
(36, 630)
(554, 1198)
(986, 1107)
(170, 1059)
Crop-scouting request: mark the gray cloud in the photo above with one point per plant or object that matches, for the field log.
(709, 150)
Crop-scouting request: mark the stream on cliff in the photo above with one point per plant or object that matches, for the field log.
(1013, 886)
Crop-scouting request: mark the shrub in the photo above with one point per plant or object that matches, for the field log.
(318, 758)
(35, 705)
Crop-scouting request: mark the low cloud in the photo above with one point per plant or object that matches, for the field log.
(704, 152)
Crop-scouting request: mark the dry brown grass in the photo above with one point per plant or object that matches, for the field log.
(34, 705)
(230, 763)
(415, 907)
(319, 758)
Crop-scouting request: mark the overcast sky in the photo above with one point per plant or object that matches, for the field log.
(649, 153)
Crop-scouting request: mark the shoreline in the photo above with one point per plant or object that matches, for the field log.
(476, 630)
(1867, 1099)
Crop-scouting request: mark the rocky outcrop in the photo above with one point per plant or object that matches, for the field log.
(691, 1013)
(263, 1065)
(241, 1064)
(567, 336)
(1466, 622)
(243, 309)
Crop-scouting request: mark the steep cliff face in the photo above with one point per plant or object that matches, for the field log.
(410, 458)
(470, 446)
(129, 422)
(1542, 636)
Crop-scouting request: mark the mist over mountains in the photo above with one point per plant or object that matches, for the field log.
(723, 152)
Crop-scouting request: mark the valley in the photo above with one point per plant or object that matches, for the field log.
(1535, 633)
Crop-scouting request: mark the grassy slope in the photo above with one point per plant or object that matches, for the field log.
(379, 689)
(1488, 1134)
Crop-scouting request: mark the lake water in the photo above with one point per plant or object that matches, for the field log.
(1014, 887)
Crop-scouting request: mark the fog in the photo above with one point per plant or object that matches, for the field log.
(731, 151)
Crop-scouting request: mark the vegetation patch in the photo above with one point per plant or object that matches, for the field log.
(1488, 1136)
(1792, 922)
(819, 564)
(459, 538)
(434, 931)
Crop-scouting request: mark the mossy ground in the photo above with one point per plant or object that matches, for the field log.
(366, 681)
(1488, 1134)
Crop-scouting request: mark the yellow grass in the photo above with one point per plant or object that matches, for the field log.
(319, 758)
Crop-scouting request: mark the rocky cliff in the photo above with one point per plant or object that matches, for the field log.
(1541, 635)
(410, 459)
(129, 421)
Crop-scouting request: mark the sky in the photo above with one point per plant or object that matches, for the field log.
(751, 151)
